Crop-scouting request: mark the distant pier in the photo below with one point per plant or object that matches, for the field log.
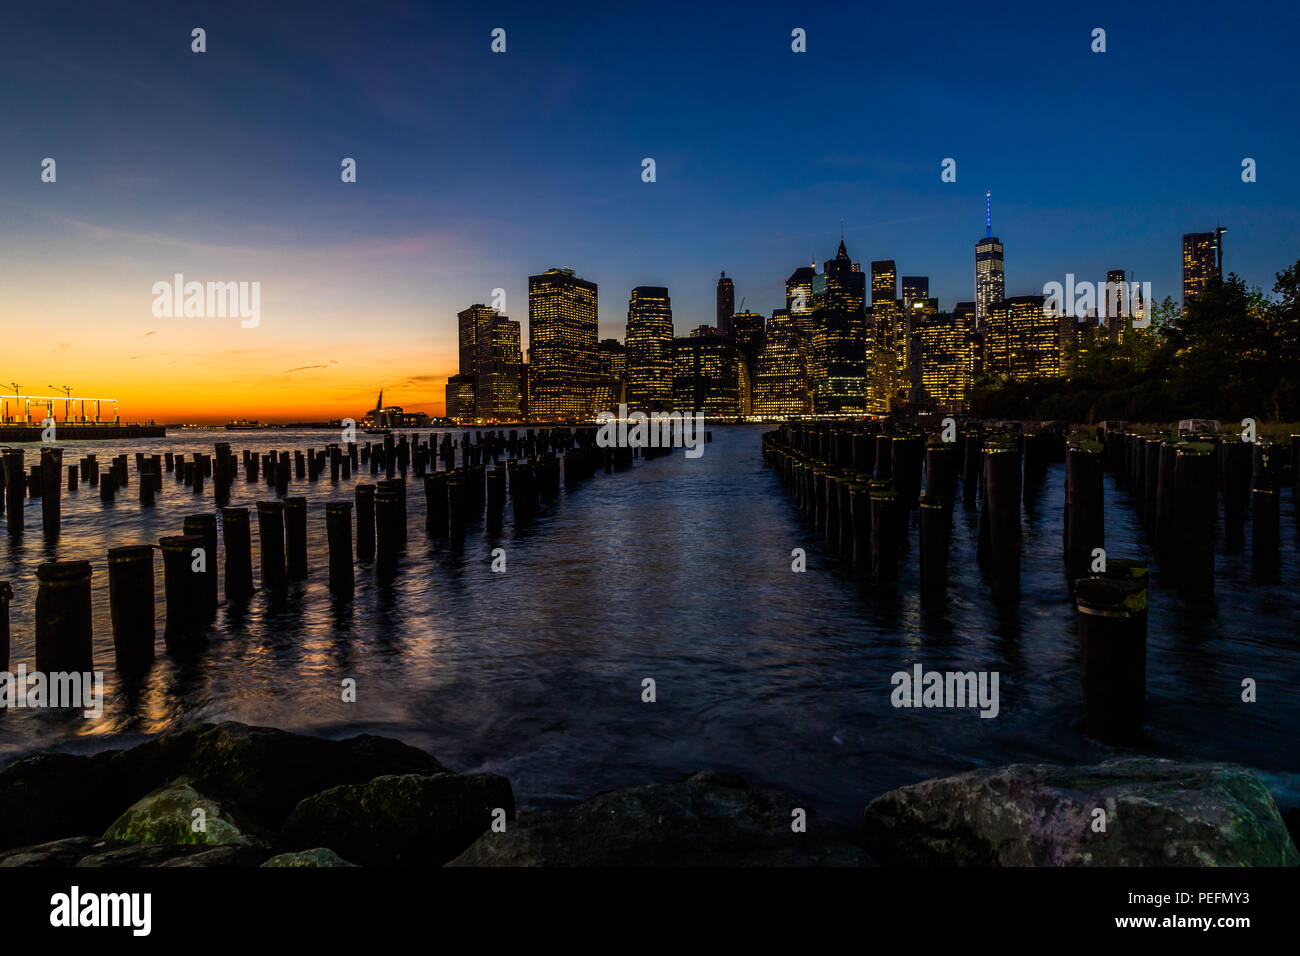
(80, 431)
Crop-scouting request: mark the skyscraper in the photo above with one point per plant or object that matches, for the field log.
(1202, 261)
(884, 281)
(798, 298)
(990, 277)
(726, 304)
(1116, 305)
(473, 326)
(613, 358)
(1022, 341)
(839, 336)
(937, 369)
(972, 346)
(471, 322)
(707, 376)
(747, 331)
(563, 367)
(781, 371)
(915, 288)
(500, 368)
(649, 342)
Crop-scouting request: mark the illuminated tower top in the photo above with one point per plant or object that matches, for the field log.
(988, 214)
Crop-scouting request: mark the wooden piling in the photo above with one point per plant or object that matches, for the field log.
(1002, 501)
(183, 587)
(338, 529)
(6, 597)
(15, 489)
(295, 533)
(236, 530)
(884, 544)
(204, 526)
(270, 530)
(63, 618)
(972, 465)
(1112, 621)
(51, 490)
(365, 522)
(131, 605)
(387, 534)
(1196, 512)
(1085, 514)
(934, 549)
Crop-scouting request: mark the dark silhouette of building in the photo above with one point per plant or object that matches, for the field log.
(726, 304)
(1202, 262)
(707, 376)
(884, 281)
(839, 324)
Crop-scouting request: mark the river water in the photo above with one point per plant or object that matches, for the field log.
(678, 570)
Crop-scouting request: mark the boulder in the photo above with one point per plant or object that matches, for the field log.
(154, 854)
(91, 851)
(320, 856)
(171, 817)
(400, 819)
(48, 796)
(262, 771)
(65, 852)
(707, 819)
(1157, 813)
(266, 772)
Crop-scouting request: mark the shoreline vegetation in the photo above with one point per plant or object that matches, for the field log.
(1233, 353)
(231, 795)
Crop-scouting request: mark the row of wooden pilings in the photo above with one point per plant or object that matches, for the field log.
(393, 457)
(454, 500)
(859, 484)
(1179, 486)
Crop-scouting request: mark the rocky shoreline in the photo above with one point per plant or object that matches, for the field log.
(238, 796)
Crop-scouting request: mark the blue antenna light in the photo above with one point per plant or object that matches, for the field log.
(988, 213)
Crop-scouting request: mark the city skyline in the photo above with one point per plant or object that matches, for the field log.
(225, 167)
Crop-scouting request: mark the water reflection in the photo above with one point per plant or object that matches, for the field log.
(677, 570)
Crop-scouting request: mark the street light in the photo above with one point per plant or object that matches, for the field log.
(66, 390)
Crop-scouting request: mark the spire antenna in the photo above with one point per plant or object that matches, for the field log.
(988, 213)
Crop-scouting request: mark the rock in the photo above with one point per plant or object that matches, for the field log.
(266, 772)
(320, 856)
(400, 820)
(168, 817)
(91, 851)
(64, 852)
(218, 856)
(262, 771)
(48, 796)
(1158, 813)
(708, 819)
(154, 854)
